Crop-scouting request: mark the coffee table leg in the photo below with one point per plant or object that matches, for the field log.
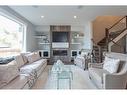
(57, 83)
(70, 83)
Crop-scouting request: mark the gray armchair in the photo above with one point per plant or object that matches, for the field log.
(105, 80)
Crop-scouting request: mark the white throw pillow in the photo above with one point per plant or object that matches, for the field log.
(8, 72)
(83, 54)
(111, 64)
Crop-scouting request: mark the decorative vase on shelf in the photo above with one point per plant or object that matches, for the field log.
(72, 40)
(77, 35)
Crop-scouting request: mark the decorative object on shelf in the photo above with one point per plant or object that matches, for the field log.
(45, 39)
(72, 40)
(78, 35)
(81, 34)
(43, 36)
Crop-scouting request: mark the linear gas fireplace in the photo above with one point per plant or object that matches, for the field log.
(60, 52)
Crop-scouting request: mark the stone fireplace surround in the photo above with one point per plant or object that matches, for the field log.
(61, 54)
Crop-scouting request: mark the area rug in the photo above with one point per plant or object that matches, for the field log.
(80, 80)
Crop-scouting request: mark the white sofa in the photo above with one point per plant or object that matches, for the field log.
(30, 66)
(104, 79)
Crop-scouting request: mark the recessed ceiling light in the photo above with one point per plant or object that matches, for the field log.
(42, 16)
(75, 17)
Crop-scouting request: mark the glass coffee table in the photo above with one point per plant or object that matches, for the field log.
(63, 77)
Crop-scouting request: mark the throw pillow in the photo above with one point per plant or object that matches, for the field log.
(24, 56)
(32, 57)
(19, 60)
(84, 54)
(111, 64)
(37, 55)
(8, 72)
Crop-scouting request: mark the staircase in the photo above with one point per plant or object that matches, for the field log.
(112, 36)
(96, 54)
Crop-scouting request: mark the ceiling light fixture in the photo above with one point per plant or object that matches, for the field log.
(75, 17)
(42, 16)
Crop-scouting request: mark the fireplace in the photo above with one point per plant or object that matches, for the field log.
(60, 53)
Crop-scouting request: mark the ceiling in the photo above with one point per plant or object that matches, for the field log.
(65, 14)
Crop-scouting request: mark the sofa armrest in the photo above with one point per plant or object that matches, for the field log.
(114, 81)
(95, 65)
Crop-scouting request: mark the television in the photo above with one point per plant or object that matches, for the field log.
(60, 36)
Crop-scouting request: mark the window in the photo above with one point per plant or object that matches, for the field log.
(11, 37)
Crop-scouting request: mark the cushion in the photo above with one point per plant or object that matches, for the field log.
(83, 54)
(37, 55)
(111, 64)
(19, 60)
(18, 83)
(24, 56)
(97, 75)
(35, 65)
(33, 57)
(8, 72)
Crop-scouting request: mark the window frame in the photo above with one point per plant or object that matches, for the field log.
(20, 22)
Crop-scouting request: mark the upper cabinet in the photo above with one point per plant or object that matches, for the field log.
(60, 28)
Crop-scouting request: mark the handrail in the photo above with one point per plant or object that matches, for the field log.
(117, 22)
(116, 44)
(119, 34)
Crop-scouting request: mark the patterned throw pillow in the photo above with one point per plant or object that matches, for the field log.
(111, 64)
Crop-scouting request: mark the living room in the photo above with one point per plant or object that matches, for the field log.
(55, 44)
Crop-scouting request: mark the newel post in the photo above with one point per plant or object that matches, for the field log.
(107, 37)
(126, 22)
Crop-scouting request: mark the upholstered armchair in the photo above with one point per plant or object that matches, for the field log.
(82, 59)
(104, 79)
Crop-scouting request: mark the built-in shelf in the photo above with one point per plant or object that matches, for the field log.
(79, 37)
(45, 43)
(39, 37)
(75, 43)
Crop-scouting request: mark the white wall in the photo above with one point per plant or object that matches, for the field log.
(88, 36)
(30, 44)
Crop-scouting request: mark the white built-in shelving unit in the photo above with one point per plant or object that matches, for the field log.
(44, 43)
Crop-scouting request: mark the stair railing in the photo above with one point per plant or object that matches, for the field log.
(115, 30)
(93, 52)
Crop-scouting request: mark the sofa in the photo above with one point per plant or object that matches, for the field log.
(114, 76)
(22, 72)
